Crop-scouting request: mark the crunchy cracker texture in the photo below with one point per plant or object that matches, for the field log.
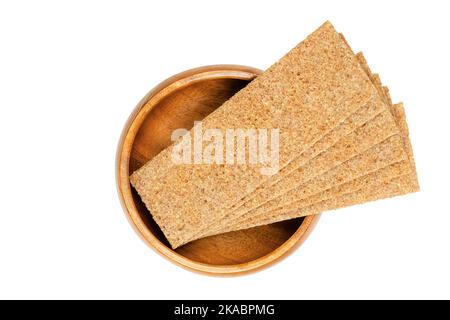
(401, 174)
(275, 196)
(269, 196)
(370, 147)
(396, 179)
(323, 102)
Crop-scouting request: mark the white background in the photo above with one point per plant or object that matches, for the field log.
(70, 74)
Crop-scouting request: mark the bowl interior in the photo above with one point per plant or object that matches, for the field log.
(190, 102)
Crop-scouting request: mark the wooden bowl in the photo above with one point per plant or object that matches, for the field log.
(177, 103)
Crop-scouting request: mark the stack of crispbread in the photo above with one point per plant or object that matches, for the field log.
(341, 142)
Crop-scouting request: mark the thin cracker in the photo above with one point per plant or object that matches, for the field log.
(304, 78)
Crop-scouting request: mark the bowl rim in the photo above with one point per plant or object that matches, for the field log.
(126, 141)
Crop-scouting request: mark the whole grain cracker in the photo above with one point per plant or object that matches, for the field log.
(373, 146)
(375, 186)
(289, 188)
(363, 115)
(384, 189)
(381, 155)
(405, 170)
(320, 77)
(289, 202)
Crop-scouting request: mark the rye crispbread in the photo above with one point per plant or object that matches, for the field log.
(320, 77)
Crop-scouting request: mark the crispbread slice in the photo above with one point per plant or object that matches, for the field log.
(385, 183)
(292, 178)
(362, 116)
(381, 155)
(270, 194)
(316, 87)
(372, 179)
(299, 185)
(384, 189)
(405, 168)
(366, 155)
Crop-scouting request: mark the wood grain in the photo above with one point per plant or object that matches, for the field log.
(177, 103)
